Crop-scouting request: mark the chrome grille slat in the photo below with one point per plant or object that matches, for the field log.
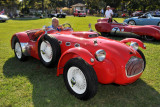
(134, 66)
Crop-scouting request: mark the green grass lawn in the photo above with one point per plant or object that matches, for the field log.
(27, 84)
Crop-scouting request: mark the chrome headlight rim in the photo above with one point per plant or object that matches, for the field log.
(100, 55)
(134, 45)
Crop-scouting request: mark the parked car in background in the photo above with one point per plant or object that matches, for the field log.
(155, 13)
(123, 15)
(3, 18)
(79, 13)
(145, 19)
(58, 15)
(137, 13)
(147, 32)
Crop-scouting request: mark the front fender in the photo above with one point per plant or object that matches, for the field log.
(72, 53)
(140, 43)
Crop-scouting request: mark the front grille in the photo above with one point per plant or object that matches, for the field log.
(134, 66)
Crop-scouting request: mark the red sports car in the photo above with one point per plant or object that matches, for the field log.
(148, 32)
(79, 13)
(84, 58)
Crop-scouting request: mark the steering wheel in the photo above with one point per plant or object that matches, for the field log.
(65, 25)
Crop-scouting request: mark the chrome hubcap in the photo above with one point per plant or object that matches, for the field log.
(131, 23)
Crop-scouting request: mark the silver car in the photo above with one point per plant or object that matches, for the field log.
(3, 18)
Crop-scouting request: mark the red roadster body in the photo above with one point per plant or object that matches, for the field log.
(148, 32)
(79, 13)
(84, 58)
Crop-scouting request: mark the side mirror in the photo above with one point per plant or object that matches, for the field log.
(45, 29)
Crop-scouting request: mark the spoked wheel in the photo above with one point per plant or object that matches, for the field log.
(80, 79)
(49, 50)
(76, 80)
(132, 22)
(18, 50)
(149, 38)
(46, 51)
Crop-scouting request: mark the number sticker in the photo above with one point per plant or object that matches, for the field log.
(115, 29)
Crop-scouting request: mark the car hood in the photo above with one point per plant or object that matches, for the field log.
(116, 50)
(156, 18)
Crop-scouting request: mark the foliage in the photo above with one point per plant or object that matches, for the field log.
(131, 5)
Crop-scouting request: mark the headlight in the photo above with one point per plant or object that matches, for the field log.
(100, 55)
(134, 45)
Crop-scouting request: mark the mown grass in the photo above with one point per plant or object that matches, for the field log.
(31, 84)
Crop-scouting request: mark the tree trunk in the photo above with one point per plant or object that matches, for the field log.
(42, 6)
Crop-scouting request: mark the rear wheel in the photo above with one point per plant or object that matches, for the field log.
(18, 51)
(105, 34)
(132, 22)
(149, 38)
(80, 79)
(49, 50)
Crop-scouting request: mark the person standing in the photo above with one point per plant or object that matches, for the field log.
(109, 13)
(102, 12)
(61, 11)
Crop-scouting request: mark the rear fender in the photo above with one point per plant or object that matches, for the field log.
(103, 27)
(140, 43)
(72, 53)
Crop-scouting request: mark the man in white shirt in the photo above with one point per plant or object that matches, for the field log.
(108, 13)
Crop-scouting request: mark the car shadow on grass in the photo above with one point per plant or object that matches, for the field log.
(49, 90)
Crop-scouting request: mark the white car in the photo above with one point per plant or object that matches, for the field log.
(3, 18)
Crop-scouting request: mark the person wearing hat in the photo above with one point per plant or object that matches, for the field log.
(108, 13)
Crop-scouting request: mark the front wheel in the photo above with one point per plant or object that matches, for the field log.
(132, 22)
(80, 79)
(143, 57)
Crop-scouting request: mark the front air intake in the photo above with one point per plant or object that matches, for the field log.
(134, 66)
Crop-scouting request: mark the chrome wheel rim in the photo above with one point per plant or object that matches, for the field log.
(131, 23)
(76, 80)
(18, 50)
(46, 51)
